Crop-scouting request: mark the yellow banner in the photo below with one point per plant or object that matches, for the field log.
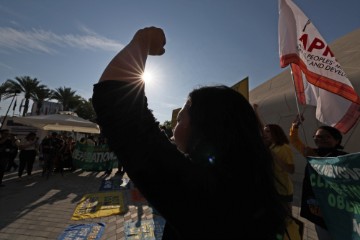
(100, 204)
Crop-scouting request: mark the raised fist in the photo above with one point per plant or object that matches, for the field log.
(298, 120)
(152, 38)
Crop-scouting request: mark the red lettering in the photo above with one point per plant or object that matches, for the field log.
(328, 51)
(316, 44)
(304, 39)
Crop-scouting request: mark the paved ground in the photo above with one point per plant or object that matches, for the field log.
(36, 208)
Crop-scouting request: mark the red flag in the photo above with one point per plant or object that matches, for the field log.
(319, 79)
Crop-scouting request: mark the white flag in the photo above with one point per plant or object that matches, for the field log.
(319, 78)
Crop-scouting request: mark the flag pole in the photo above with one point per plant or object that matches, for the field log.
(297, 106)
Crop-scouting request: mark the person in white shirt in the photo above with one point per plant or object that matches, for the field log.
(28, 150)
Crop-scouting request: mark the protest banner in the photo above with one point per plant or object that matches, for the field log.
(335, 181)
(94, 158)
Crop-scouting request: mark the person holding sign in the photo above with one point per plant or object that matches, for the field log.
(203, 185)
(328, 144)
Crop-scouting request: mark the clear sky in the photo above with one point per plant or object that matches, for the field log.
(68, 43)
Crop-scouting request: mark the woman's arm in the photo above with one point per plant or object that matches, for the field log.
(295, 139)
(152, 162)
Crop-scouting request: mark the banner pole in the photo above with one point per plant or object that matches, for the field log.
(297, 106)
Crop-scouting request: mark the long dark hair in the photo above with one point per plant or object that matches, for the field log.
(223, 120)
(277, 134)
(225, 130)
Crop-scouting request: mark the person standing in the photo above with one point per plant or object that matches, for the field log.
(50, 147)
(278, 142)
(28, 150)
(328, 144)
(67, 152)
(207, 164)
(5, 147)
(13, 153)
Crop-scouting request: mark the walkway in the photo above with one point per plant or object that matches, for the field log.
(37, 209)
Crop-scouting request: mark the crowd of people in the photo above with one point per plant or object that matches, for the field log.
(219, 146)
(54, 152)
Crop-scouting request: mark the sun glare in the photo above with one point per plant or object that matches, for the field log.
(147, 77)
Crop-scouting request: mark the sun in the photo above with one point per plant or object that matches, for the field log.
(147, 76)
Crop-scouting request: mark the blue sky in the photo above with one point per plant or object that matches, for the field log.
(69, 43)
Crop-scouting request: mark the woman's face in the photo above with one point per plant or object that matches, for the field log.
(182, 129)
(323, 139)
(267, 134)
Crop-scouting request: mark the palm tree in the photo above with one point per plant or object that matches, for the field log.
(41, 94)
(67, 98)
(4, 91)
(27, 85)
(85, 110)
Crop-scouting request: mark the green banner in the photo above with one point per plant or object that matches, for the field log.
(336, 184)
(94, 158)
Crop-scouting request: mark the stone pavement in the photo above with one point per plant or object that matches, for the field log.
(37, 208)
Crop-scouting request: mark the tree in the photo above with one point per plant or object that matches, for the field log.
(167, 124)
(85, 110)
(27, 85)
(40, 96)
(67, 98)
(4, 90)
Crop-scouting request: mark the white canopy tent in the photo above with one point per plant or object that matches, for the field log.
(59, 122)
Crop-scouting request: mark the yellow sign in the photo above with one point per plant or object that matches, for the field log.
(243, 87)
(99, 204)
